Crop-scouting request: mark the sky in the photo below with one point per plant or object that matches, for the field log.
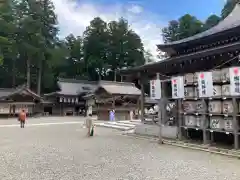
(146, 17)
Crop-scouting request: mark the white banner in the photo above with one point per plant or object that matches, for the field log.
(205, 84)
(234, 74)
(155, 89)
(177, 87)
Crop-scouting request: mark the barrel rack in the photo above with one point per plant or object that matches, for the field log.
(209, 118)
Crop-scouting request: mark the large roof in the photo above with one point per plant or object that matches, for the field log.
(230, 22)
(165, 66)
(7, 92)
(74, 87)
(119, 88)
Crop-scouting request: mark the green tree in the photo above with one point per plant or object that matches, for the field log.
(8, 46)
(95, 48)
(148, 57)
(125, 46)
(189, 26)
(74, 65)
(228, 7)
(185, 27)
(171, 32)
(36, 36)
(211, 21)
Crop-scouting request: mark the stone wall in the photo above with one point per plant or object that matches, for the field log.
(153, 130)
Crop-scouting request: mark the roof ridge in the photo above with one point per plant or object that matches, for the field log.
(117, 82)
(66, 80)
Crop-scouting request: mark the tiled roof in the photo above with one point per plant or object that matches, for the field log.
(230, 22)
(6, 92)
(119, 88)
(74, 87)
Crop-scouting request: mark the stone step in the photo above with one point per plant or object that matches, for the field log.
(114, 126)
(130, 122)
(121, 124)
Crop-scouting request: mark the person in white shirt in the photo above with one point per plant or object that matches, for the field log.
(89, 124)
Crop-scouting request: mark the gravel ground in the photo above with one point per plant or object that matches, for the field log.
(63, 152)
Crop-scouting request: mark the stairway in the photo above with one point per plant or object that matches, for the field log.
(120, 125)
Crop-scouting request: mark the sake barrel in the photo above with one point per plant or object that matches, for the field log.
(216, 122)
(189, 92)
(196, 92)
(226, 90)
(200, 107)
(225, 77)
(228, 123)
(190, 121)
(216, 74)
(188, 78)
(239, 107)
(227, 107)
(217, 90)
(195, 77)
(215, 107)
(199, 122)
(189, 106)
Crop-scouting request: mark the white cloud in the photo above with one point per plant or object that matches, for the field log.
(74, 16)
(136, 9)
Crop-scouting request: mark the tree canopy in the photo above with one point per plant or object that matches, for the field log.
(31, 51)
(188, 25)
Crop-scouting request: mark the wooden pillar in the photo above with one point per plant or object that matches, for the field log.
(235, 123)
(204, 120)
(180, 118)
(162, 115)
(142, 100)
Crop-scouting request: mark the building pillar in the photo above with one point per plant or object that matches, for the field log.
(142, 99)
(162, 115)
(235, 123)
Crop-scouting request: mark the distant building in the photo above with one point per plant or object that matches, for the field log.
(122, 97)
(13, 100)
(69, 100)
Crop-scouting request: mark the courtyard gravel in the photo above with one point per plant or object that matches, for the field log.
(63, 152)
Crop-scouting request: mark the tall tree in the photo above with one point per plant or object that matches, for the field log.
(125, 46)
(171, 32)
(74, 66)
(211, 21)
(228, 7)
(186, 26)
(95, 48)
(36, 36)
(8, 46)
(148, 57)
(189, 26)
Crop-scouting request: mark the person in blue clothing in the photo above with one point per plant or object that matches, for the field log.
(112, 115)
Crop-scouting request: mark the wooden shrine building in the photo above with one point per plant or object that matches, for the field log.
(213, 50)
(69, 100)
(13, 100)
(122, 97)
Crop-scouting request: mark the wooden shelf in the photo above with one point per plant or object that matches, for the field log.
(208, 114)
(220, 131)
(194, 128)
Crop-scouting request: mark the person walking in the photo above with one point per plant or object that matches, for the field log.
(89, 125)
(22, 118)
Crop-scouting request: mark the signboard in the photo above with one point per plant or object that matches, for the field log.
(155, 89)
(205, 84)
(177, 87)
(234, 74)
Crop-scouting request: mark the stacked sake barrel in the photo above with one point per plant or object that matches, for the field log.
(218, 108)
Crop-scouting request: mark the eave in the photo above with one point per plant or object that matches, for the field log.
(162, 66)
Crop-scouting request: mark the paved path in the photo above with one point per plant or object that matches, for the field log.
(63, 152)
